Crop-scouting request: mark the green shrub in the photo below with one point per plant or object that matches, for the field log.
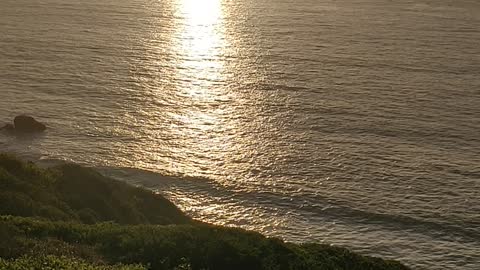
(71, 192)
(191, 246)
(63, 263)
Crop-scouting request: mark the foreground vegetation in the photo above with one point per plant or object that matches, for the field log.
(53, 262)
(74, 193)
(70, 217)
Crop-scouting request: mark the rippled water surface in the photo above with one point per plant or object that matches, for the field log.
(350, 122)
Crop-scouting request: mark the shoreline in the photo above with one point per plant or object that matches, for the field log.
(77, 187)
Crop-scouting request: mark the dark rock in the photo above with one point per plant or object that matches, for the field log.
(8, 127)
(24, 123)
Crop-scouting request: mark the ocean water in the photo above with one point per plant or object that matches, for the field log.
(355, 123)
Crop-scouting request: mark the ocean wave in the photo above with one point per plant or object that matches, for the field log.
(307, 204)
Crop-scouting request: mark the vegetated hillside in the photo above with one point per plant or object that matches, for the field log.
(50, 220)
(53, 263)
(74, 193)
(173, 247)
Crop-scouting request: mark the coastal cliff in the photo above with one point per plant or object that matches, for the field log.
(72, 217)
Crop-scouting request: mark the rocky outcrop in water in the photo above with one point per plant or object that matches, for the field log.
(24, 124)
(8, 127)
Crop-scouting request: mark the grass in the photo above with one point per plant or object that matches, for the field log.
(74, 193)
(64, 263)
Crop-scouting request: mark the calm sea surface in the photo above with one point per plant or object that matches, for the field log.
(355, 123)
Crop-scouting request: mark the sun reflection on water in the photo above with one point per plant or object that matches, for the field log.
(200, 48)
(201, 45)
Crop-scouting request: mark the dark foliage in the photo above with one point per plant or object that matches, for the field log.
(64, 263)
(75, 193)
(192, 246)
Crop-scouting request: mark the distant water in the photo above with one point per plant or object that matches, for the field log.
(355, 123)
